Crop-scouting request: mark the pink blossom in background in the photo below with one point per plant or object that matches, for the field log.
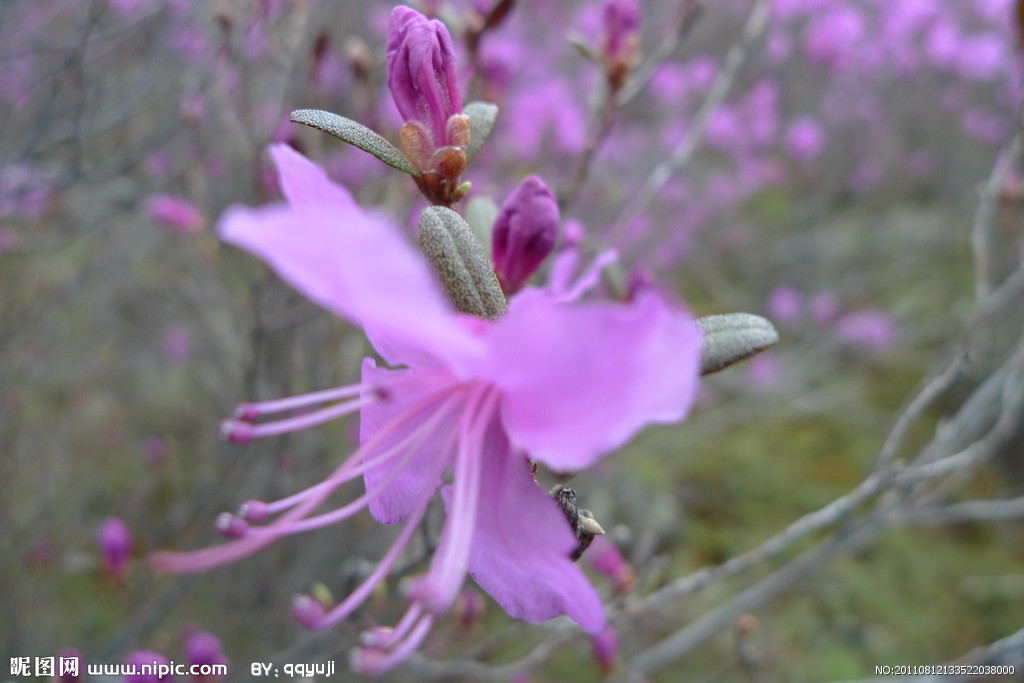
(176, 213)
(868, 328)
(547, 112)
(943, 44)
(785, 304)
(832, 36)
(762, 370)
(804, 139)
(115, 544)
(982, 57)
(177, 344)
(669, 83)
(203, 648)
(147, 658)
(702, 71)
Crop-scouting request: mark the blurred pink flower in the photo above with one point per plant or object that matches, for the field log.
(832, 36)
(868, 328)
(176, 213)
(804, 139)
(785, 304)
(151, 663)
(561, 380)
(115, 544)
(606, 559)
(763, 370)
(203, 648)
(982, 57)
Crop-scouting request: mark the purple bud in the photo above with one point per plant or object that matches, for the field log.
(157, 667)
(621, 22)
(308, 611)
(525, 232)
(203, 648)
(115, 541)
(421, 71)
(606, 559)
(606, 648)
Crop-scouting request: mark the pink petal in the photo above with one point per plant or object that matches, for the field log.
(396, 502)
(579, 380)
(521, 544)
(352, 262)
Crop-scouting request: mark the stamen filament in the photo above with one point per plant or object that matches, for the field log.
(414, 440)
(250, 411)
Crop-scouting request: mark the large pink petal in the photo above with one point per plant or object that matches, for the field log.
(578, 380)
(352, 262)
(522, 542)
(399, 416)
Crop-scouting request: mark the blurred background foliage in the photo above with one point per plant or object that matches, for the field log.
(128, 331)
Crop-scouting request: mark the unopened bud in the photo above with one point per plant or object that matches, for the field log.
(525, 232)
(421, 71)
(115, 541)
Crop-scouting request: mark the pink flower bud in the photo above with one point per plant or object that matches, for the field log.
(115, 541)
(619, 39)
(621, 22)
(421, 71)
(525, 232)
(606, 559)
(204, 648)
(176, 213)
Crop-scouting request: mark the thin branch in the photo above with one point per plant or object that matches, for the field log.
(680, 157)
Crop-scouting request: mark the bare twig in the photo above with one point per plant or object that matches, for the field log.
(682, 154)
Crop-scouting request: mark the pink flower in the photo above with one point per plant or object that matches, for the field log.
(115, 541)
(555, 380)
(524, 233)
(175, 212)
(869, 328)
(804, 139)
(785, 303)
